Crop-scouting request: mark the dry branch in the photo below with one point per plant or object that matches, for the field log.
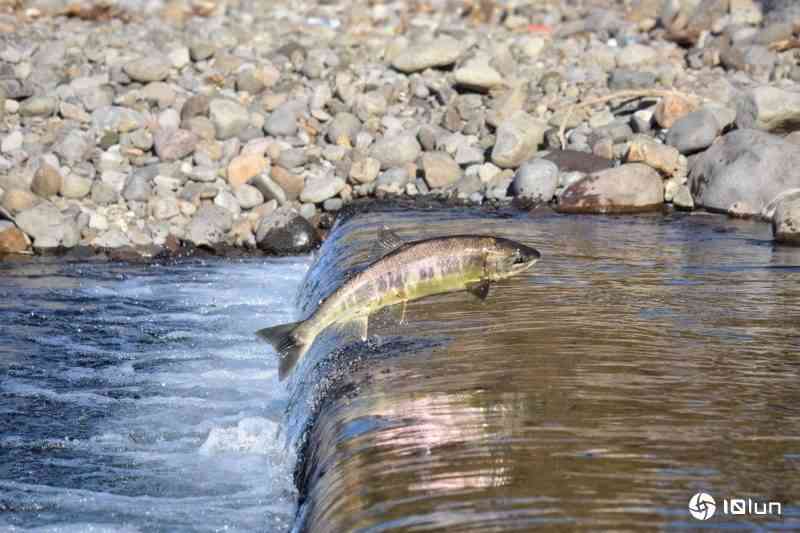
(628, 94)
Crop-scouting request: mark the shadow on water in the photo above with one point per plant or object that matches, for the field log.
(642, 360)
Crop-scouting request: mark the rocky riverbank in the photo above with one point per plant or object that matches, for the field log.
(152, 126)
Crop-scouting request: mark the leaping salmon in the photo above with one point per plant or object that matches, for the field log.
(406, 271)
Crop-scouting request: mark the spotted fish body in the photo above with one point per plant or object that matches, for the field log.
(408, 272)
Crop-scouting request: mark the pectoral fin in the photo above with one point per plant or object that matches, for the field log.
(480, 289)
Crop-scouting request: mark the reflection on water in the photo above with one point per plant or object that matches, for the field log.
(642, 360)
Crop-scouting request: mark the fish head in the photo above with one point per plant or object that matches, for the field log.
(506, 258)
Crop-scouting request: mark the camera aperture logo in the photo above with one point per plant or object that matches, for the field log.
(702, 506)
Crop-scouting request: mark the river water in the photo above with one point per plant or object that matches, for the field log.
(136, 398)
(642, 360)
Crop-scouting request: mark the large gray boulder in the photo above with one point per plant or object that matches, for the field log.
(744, 171)
(769, 108)
(629, 188)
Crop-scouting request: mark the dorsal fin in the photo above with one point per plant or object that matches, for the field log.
(386, 242)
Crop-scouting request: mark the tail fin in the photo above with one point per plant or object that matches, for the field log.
(289, 348)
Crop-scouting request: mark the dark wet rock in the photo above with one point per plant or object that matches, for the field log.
(694, 132)
(575, 161)
(630, 188)
(536, 180)
(286, 232)
(786, 220)
(744, 171)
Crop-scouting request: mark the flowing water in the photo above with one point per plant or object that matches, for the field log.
(643, 359)
(136, 398)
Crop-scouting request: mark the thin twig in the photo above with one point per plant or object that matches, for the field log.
(632, 94)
